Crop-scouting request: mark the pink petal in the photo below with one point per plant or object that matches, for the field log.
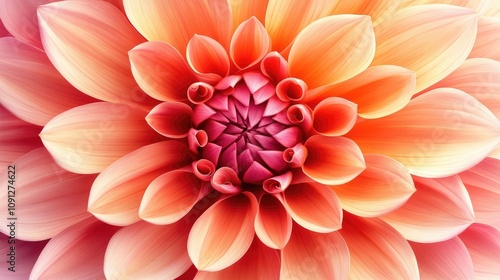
(146, 251)
(291, 89)
(84, 139)
(77, 252)
(377, 250)
(437, 211)
(202, 113)
(301, 115)
(278, 183)
(117, 192)
(424, 135)
(24, 70)
(311, 255)
(382, 187)
(273, 159)
(274, 105)
(332, 160)
(289, 136)
(332, 49)
(24, 257)
(444, 260)
(203, 169)
(256, 173)
(225, 180)
(41, 191)
(334, 116)
(77, 38)
(295, 156)
(274, 66)
(249, 44)
(483, 244)
(223, 233)
(487, 36)
(273, 224)
(3, 30)
(207, 56)
(171, 119)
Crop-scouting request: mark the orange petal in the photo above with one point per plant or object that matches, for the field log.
(482, 182)
(87, 41)
(223, 233)
(311, 255)
(259, 262)
(493, 9)
(285, 19)
(313, 206)
(161, 71)
(334, 116)
(431, 48)
(169, 197)
(378, 91)
(332, 49)
(171, 119)
(437, 134)
(332, 160)
(25, 70)
(117, 192)
(382, 187)
(437, 211)
(483, 244)
(76, 253)
(84, 139)
(207, 56)
(479, 6)
(377, 250)
(378, 10)
(488, 30)
(250, 43)
(243, 10)
(41, 191)
(28, 252)
(146, 251)
(173, 21)
(16, 138)
(444, 260)
(273, 224)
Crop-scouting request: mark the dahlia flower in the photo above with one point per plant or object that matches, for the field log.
(267, 139)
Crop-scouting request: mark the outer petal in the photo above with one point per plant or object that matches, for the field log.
(24, 257)
(483, 185)
(259, 262)
(249, 44)
(25, 70)
(493, 9)
(243, 10)
(146, 251)
(161, 71)
(332, 49)
(377, 250)
(382, 187)
(437, 211)
(273, 224)
(432, 40)
(444, 260)
(117, 192)
(207, 56)
(41, 191)
(437, 134)
(311, 255)
(84, 139)
(171, 119)
(487, 35)
(77, 38)
(210, 250)
(378, 10)
(77, 252)
(173, 21)
(483, 244)
(332, 160)
(334, 116)
(479, 6)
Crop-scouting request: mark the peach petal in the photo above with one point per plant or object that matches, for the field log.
(172, 21)
(377, 250)
(171, 119)
(431, 48)
(24, 70)
(273, 224)
(479, 6)
(382, 187)
(243, 10)
(334, 116)
(203, 169)
(62, 256)
(439, 133)
(311, 255)
(332, 49)
(249, 44)
(117, 192)
(146, 251)
(16, 138)
(487, 35)
(278, 183)
(495, 153)
(378, 10)
(295, 156)
(225, 180)
(200, 92)
(482, 242)
(301, 115)
(207, 56)
(443, 260)
(260, 262)
(83, 139)
(28, 252)
(332, 160)
(76, 36)
(482, 182)
(211, 250)
(313, 206)
(493, 9)
(439, 210)
(161, 71)
(41, 191)
(285, 19)
(378, 91)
